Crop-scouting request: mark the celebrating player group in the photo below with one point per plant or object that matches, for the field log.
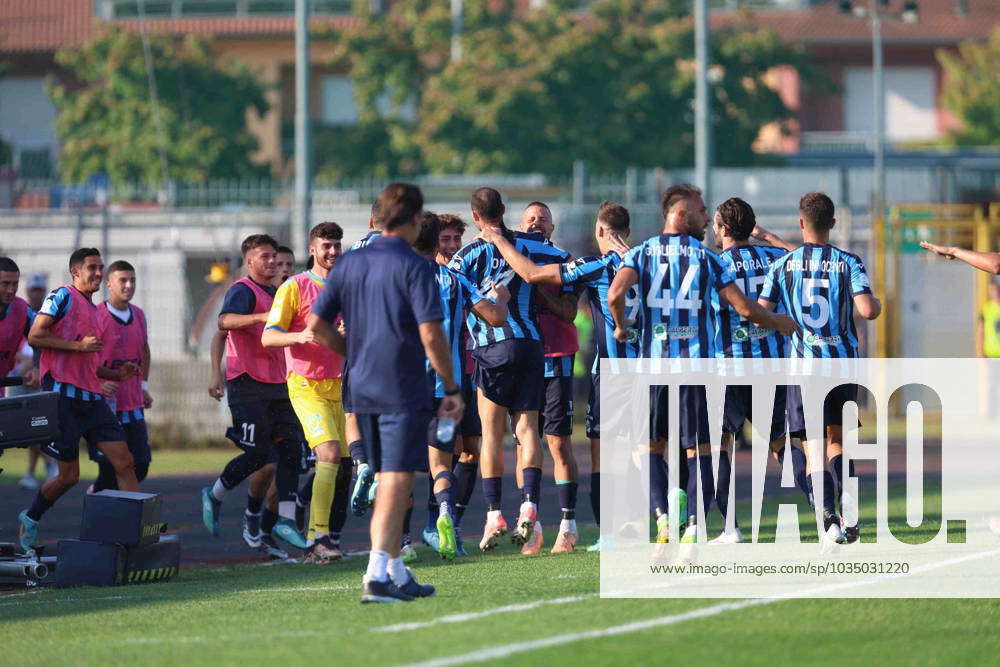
(411, 352)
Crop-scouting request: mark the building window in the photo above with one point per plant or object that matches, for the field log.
(910, 94)
(338, 106)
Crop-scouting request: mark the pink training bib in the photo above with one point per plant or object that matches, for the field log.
(559, 337)
(76, 368)
(310, 360)
(12, 334)
(123, 343)
(244, 352)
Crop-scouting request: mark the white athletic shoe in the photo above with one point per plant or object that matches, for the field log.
(28, 483)
(729, 537)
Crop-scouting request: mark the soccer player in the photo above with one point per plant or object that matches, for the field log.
(734, 225)
(509, 371)
(284, 264)
(457, 297)
(123, 329)
(821, 286)
(677, 278)
(16, 317)
(595, 273)
(65, 329)
(263, 419)
(390, 394)
(313, 382)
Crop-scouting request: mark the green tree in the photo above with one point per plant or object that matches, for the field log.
(972, 90)
(108, 124)
(533, 92)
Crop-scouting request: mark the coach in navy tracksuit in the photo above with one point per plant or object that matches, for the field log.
(389, 300)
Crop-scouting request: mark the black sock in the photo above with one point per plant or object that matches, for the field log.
(357, 452)
(106, 478)
(267, 521)
(837, 463)
(242, 467)
(341, 496)
(532, 485)
(432, 505)
(254, 505)
(595, 496)
(828, 498)
(39, 507)
(707, 484)
(692, 491)
(141, 471)
(725, 476)
(305, 492)
(657, 484)
(406, 522)
(465, 483)
(567, 499)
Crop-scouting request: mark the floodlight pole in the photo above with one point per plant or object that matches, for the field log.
(457, 26)
(878, 79)
(303, 129)
(702, 103)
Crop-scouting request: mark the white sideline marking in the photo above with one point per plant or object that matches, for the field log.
(460, 618)
(142, 598)
(503, 651)
(22, 602)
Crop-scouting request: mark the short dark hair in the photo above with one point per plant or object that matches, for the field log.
(427, 239)
(8, 265)
(738, 217)
(614, 216)
(375, 210)
(257, 240)
(80, 255)
(329, 231)
(397, 205)
(677, 193)
(488, 205)
(449, 221)
(285, 250)
(119, 265)
(538, 203)
(817, 210)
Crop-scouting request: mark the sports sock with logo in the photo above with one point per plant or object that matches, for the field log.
(657, 484)
(324, 484)
(432, 505)
(444, 497)
(532, 485)
(465, 484)
(492, 492)
(567, 503)
(595, 496)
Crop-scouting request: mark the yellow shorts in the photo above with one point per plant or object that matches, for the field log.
(317, 404)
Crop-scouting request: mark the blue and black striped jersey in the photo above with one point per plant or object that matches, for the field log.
(678, 278)
(596, 274)
(364, 240)
(817, 284)
(736, 337)
(483, 265)
(457, 296)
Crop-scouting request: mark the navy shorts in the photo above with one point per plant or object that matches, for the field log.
(262, 416)
(738, 410)
(471, 424)
(693, 407)
(137, 439)
(556, 415)
(395, 441)
(594, 407)
(833, 408)
(92, 420)
(511, 373)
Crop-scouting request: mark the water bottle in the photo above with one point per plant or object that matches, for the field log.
(445, 430)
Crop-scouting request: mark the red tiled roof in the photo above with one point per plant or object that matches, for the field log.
(824, 24)
(231, 25)
(43, 25)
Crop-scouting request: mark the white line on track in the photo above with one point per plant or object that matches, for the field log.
(461, 618)
(506, 650)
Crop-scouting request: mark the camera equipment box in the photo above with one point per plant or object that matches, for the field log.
(122, 517)
(29, 420)
(85, 563)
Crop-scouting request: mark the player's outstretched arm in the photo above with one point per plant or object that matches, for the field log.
(547, 274)
(436, 347)
(756, 313)
(624, 280)
(984, 261)
(770, 238)
(325, 333)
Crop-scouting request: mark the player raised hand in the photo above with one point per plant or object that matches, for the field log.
(617, 245)
(947, 252)
(490, 234)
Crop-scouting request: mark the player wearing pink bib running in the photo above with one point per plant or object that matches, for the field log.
(66, 330)
(16, 317)
(123, 330)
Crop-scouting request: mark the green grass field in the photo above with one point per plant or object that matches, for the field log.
(166, 462)
(536, 610)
